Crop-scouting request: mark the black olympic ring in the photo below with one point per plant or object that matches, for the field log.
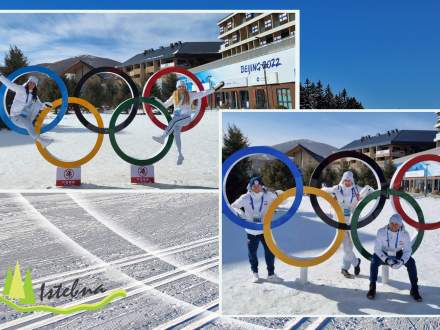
(134, 92)
(315, 181)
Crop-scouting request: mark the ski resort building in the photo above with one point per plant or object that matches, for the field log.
(422, 177)
(183, 54)
(257, 62)
(393, 144)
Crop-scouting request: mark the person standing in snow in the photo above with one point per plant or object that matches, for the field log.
(182, 100)
(393, 248)
(255, 203)
(348, 195)
(26, 106)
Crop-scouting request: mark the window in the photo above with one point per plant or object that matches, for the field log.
(222, 29)
(276, 38)
(229, 25)
(284, 98)
(235, 38)
(268, 23)
(249, 15)
(226, 42)
(244, 99)
(283, 17)
(255, 29)
(263, 42)
(260, 97)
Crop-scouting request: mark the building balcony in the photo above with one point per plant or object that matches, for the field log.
(437, 137)
(388, 153)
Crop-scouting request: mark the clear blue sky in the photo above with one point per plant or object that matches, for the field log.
(336, 129)
(386, 53)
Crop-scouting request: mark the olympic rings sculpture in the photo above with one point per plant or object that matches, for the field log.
(76, 101)
(314, 191)
(243, 153)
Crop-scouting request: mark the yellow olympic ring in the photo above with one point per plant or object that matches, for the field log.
(295, 261)
(77, 163)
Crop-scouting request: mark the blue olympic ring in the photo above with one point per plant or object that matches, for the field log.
(17, 74)
(229, 163)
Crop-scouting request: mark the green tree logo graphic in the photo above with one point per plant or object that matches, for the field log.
(16, 290)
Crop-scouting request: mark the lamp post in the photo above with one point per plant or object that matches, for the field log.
(265, 85)
(426, 180)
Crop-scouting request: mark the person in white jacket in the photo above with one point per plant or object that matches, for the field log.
(182, 100)
(393, 248)
(348, 195)
(26, 106)
(252, 206)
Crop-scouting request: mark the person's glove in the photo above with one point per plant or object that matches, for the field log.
(390, 261)
(219, 85)
(398, 264)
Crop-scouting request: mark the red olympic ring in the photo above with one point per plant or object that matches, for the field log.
(152, 80)
(396, 183)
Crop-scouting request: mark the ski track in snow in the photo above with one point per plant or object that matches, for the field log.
(163, 304)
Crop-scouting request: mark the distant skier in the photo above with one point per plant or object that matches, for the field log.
(182, 100)
(348, 195)
(255, 204)
(26, 106)
(393, 248)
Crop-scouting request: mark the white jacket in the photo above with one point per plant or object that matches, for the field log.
(348, 198)
(185, 109)
(254, 206)
(23, 103)
(388, 243)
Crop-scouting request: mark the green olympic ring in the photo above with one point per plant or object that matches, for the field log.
(112, 129)
(355, 219)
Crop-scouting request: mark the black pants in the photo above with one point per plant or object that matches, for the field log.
(253, 242)
(410, 267)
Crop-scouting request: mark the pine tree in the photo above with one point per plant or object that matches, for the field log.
(276, 175)
(29, 298)
(389, 169)
(234, 140)
(14, 59)
(8, 282)
(314, 96)
(168, 85)
(17, 290)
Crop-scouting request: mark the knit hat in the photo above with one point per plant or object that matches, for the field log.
(397, 219)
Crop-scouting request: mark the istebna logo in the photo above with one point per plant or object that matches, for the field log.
(20, 295)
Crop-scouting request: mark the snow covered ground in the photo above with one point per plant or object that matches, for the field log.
(22, 166)
(154, 245)
(327, 292)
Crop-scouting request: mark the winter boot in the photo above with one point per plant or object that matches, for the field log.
(346, 273)
(255, 277)
(415, 293)
(357, 269)
(159, 139)
(274, 279)
(371, 294)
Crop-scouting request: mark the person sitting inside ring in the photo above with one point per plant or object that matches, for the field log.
(393, 248)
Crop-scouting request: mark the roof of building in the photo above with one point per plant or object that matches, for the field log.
(63, 66)
(178, 48)
(283, 44)
(393, 137)
(435, 151)
(318, 150)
